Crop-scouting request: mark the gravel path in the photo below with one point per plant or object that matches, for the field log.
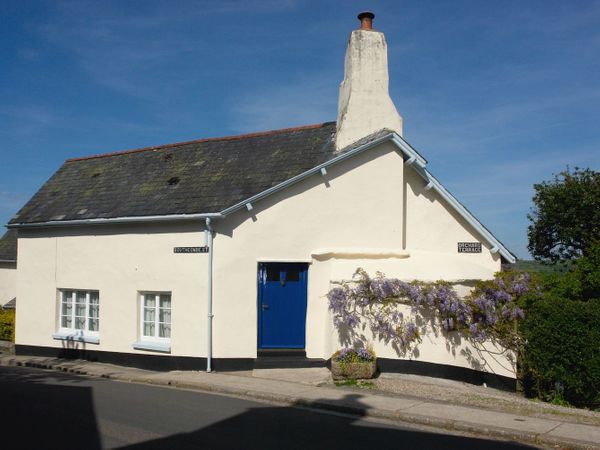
(447, 391)
(440, 390)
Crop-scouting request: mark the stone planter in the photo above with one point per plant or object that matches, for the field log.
(357, 370)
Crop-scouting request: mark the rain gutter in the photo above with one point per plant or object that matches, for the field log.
(117, 220)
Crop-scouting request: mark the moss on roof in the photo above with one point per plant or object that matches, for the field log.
(204, 176)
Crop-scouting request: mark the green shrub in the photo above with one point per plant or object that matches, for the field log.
(7, 325)
(581, 280)
(561, 359)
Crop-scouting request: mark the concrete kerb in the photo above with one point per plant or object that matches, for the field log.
(169, 379)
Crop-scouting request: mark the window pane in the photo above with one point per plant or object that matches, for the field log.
(149, 314)
(165, 301)
(94, 310)
(66, 309)
(148, 328)
(164, 316)
(81, 295)
(80, 309)
(79, 323)
(67, 296)
(272, 273)
(149, 300)
(94, 298)
(93, 325)
(165, 330)
(66, 322)
(292, 275)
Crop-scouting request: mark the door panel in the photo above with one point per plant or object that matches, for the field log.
(282, 305)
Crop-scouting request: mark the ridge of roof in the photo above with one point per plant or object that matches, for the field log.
(199, 141)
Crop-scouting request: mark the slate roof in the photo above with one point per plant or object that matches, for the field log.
(206, 177)
(8, 246)
(203, 176)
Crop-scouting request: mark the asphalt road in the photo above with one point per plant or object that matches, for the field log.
(48, 410)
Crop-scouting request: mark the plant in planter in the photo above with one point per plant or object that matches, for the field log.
(353, 363)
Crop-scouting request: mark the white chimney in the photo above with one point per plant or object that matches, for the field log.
(365, 105)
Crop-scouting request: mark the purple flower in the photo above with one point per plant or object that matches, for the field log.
(337, 299)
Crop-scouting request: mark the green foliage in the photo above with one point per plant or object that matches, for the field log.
(565, 219)
(352, 382)
(581, 282)
(7, 325)
(534, 267)
(587, 272)
(562, 361)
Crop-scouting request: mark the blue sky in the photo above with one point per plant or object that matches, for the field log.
(496, 95)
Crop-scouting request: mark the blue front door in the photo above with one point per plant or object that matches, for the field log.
(281, 305)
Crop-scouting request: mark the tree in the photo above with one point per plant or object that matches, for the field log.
(565, 218)
(581, 282)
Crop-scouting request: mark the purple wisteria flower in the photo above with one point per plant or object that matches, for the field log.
(375, 302)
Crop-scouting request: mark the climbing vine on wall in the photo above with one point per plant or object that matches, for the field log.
(490, 312)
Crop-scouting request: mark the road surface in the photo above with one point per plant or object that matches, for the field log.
(53, 410)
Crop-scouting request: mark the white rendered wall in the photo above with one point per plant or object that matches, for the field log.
(118, 262)
(357, 205)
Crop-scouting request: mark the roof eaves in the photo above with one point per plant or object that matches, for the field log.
(118, 220)
(408, 149)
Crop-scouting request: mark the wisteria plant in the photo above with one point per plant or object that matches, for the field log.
(490, 311)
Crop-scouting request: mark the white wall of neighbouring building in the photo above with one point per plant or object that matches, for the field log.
(8, 281)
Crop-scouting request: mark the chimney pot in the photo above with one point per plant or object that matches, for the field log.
(366, 20)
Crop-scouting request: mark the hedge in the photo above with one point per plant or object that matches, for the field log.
(7, 325)
(561, 361)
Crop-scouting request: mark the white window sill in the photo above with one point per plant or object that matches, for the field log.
(164, 347)
(76, 336)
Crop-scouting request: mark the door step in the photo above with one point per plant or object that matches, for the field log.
(281, 352)
(286, 359)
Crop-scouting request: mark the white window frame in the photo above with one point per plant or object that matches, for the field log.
(153, 343)
(72, 333)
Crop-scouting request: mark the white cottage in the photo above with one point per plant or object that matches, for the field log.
(217, 254)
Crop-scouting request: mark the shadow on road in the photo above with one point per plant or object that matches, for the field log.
(28, 412)
(45, 410)
(279, 428)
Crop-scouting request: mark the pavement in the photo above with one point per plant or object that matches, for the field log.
(310, 388)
